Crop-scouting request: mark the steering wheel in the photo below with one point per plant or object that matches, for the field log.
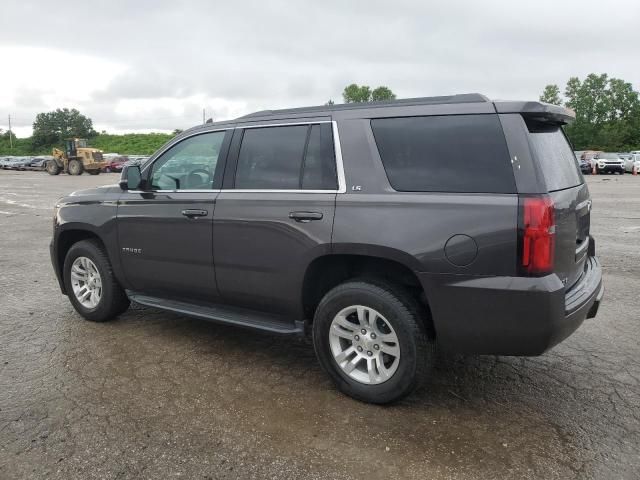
(195, 178)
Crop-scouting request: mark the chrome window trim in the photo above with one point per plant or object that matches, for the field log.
(337, 148)
(216, 190)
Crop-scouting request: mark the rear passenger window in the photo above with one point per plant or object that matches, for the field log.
(287, 158)
(454, 153)
(553, 153)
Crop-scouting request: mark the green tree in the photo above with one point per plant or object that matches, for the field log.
(382, 93)
(551, 94)
(607, 113)
(355, 93)
(52, 128)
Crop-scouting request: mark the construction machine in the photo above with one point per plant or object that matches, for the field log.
(77, 158)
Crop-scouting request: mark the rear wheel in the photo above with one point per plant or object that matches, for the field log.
(90, 283)
(75, 167)
(370, 338)
(52, 167)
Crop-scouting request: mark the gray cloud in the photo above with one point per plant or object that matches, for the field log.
(291, 53)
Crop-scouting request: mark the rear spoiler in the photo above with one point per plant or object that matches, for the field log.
(540, 111)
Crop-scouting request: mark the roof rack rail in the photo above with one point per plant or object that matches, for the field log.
(447, 99)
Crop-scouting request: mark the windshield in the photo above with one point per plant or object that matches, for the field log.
(610, 156)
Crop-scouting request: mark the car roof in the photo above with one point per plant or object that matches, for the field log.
(466, 103)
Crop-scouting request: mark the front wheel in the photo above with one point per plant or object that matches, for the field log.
(52, 167)
(90, 283)
(371, 339)
(75, 167)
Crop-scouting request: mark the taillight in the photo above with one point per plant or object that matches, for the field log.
(537, 235)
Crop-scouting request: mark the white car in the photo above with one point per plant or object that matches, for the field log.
(632, 161)
(608, 162)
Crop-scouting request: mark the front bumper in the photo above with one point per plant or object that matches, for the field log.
(611, 168)
(55, 262)
(510, 315)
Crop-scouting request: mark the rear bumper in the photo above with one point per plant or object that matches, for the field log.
(510, 315)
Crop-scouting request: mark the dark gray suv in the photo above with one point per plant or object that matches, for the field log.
(379, 228)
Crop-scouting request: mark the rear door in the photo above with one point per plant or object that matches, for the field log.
(274, 213)
(564, 182)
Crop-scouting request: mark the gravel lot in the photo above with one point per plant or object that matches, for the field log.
(155, 395)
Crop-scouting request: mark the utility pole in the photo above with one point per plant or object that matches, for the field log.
(10, 135)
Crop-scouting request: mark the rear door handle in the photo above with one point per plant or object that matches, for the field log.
(194, 213)
(305, 217)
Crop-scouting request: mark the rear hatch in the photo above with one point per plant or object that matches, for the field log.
(570, 196)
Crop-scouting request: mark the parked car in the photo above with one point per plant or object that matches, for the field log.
(137, 160)
(115, 164)
(38, 163)
(633, 161)
(18, 163)
(585, 165)
(345, 222)
(608, 162)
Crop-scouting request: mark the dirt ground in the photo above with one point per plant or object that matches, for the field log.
(155, 395)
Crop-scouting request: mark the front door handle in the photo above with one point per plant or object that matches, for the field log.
(194, 213)
(305, 217)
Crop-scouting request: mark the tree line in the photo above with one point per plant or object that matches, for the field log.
(607, 112)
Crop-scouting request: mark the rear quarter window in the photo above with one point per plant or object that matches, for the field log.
(555, 158)
(454, 153)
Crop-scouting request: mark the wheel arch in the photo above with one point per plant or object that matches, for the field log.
(327, 271)
(65, 240)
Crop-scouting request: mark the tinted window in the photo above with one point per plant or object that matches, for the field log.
(554, 155)
(319, 168)
(190, 164)
(456, 153)
(286, 158)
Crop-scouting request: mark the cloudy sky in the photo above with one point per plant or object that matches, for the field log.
(154, 65)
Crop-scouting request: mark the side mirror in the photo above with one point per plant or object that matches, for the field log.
(131, 177)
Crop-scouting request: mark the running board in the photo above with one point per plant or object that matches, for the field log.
(223, 314)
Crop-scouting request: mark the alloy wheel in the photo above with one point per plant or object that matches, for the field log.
(364, 345)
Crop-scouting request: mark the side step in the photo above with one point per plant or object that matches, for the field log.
(224, 314)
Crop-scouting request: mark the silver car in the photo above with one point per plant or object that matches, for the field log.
(632, 161)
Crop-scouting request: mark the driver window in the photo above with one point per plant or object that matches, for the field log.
(188, 165)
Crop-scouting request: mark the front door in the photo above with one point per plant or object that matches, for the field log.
(276, 215)
(165, 230)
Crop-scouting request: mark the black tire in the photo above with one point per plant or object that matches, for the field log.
(75, 167)
(405, 314)
(114, 300)
(52, 167)
(94, 172)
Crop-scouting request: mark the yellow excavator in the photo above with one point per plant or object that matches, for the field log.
(77, 158)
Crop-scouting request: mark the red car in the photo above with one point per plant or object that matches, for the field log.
(115, 164)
